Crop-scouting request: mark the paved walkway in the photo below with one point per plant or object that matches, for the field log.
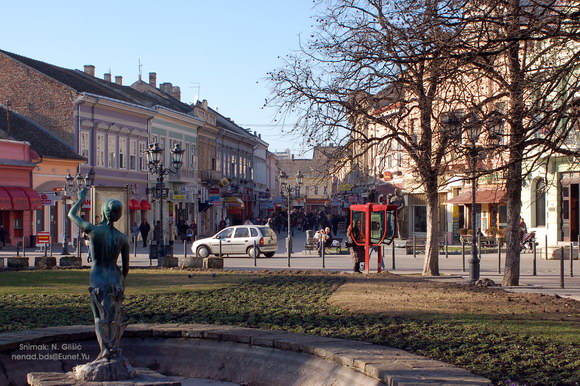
(546, 281)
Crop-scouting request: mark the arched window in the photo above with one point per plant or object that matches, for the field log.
(540, 202)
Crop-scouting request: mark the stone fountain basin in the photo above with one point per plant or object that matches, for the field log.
(226, 353)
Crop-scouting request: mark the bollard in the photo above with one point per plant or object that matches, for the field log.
(185, 248)
(446, 248)
(220, 248)
(498, 256)
(255, 254)
(45, 249)
(17, 249)
(534, 263)
(479, 247)
(135, 246)
(414, 246)
(562, 267)
(23, 249)
(394, 254)
(546, 247)
(323, 251)
(572, 257)
(463, 253)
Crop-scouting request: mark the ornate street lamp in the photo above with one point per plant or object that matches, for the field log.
(473, 129)
(154, 158)
(288, 188)
(73, 185)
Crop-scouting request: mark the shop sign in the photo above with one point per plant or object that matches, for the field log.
(43, 238)
(387, 176)
(344, 187)
(48, 198)
(87, 204)
(179, 196)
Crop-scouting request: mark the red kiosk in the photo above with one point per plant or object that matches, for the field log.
(378, 223)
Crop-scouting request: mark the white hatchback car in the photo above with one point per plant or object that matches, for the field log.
(238, 240)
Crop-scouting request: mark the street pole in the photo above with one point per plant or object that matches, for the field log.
(474, 261)
(289, 238)
(64, 235)
(160, 248)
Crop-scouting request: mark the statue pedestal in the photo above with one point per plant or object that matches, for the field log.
(191, 262)
(143, 376)
(102, 370)
(17, 262)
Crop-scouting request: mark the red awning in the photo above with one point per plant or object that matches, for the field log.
(18, 197)
(134, 204)
(481, 197)
(33, 199)
(5, 201)
(145, 205)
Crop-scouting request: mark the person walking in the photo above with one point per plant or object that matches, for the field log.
(144, 229)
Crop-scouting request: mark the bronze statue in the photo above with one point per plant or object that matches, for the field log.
(107, 291)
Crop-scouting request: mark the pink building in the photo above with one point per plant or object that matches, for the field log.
(17, 198)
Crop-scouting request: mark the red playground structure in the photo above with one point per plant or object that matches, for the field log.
(378, 225)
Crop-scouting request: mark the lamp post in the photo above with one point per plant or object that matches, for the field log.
(155, 162)
(473, 132)
(73, 185)
(286, 186)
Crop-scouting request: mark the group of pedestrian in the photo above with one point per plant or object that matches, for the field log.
(184, 230)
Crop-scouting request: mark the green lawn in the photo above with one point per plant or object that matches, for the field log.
(298, 303)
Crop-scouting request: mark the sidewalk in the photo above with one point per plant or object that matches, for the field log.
(547, 280)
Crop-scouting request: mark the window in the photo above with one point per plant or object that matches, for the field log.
(316, 190)
(420, 219)
(112, 151)
(122, 153)
(254, 232)
(307, 190)
(242, 232)
(193, 157)
(85, 144)
(133, 154)
(325, 191)
(100, 150)
(142, 156)
(540, 203)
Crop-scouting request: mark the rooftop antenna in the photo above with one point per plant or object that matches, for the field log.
(140, 65)
(196, 85)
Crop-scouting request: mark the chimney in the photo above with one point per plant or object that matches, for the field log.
(166, 87)
(107, 77)
(119, 79)
(176, 92)
(153, 79)
(90, 69)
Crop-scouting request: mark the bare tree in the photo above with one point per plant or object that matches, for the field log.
(406, 67)
(380, 72)
(527, 51)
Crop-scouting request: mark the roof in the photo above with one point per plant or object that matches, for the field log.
(21, 128)
(82, 82)
(481, 197)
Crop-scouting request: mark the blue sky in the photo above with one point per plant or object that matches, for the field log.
(222, 49)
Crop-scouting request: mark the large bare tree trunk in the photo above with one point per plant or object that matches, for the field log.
(431, 264)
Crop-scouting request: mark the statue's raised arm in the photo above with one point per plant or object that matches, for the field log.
(86, 226)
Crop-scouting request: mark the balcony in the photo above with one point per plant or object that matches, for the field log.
(209, 176)
(183, 175)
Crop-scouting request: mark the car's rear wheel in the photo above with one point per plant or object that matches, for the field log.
(253, 252)
(269, 254)
(202, 251)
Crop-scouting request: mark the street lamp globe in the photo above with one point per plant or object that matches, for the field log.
(177, 156)
(70, 182)
(283, 178)
(154, 154)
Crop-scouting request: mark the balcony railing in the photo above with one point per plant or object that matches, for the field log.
(209, 175)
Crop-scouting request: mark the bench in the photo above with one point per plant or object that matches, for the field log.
(420, 245)
(311, 245)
